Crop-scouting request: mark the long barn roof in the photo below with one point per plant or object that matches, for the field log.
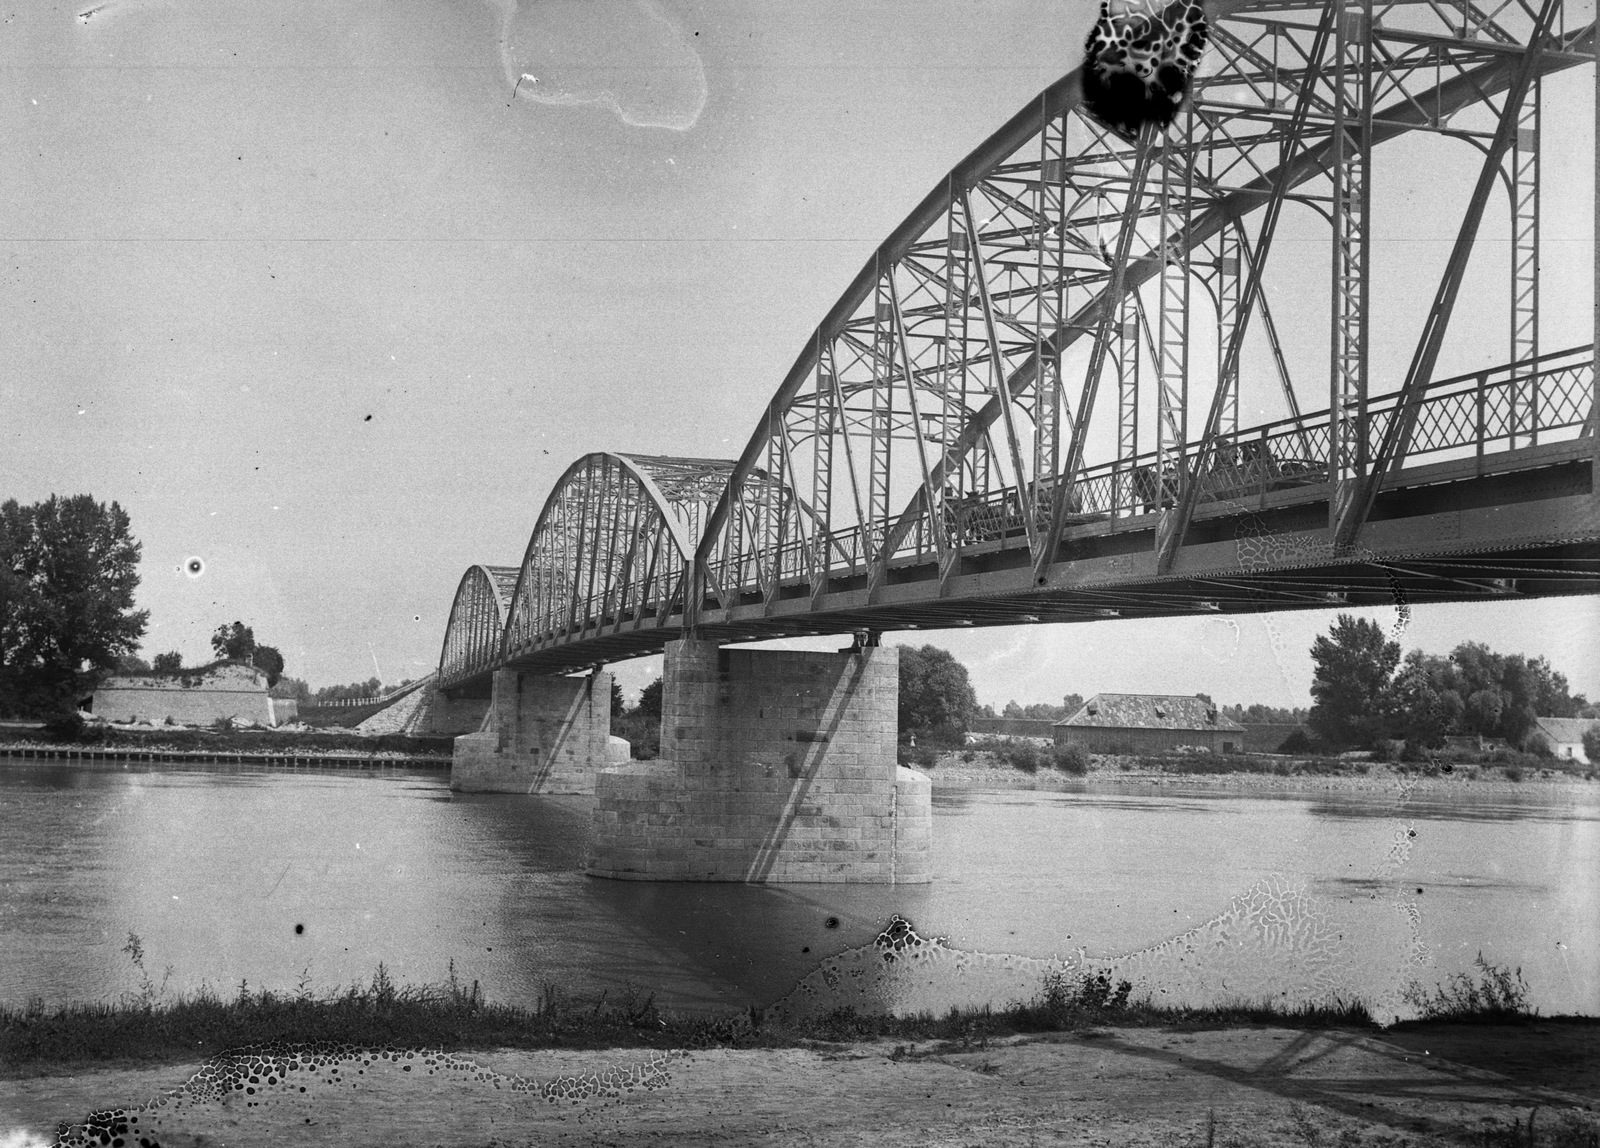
(1150, 711)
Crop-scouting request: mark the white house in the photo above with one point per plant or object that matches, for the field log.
(1566, 736)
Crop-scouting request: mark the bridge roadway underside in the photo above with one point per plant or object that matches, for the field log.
(1441, 537)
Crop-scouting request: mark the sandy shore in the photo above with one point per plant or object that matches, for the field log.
(1236, 1088)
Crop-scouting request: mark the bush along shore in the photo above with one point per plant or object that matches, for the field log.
(1029, 764)
(149, 1027)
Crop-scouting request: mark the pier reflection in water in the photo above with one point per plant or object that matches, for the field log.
(281, 879)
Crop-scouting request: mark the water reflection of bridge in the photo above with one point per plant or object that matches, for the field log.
(940, 453)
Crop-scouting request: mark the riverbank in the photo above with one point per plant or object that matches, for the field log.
(984, 771)
(1424, 1086)
(275, 747)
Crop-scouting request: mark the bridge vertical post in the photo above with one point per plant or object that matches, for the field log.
(1524, 181)
(1351, 171)
(776, 766)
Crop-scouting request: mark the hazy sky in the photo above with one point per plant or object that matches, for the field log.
(329, 294)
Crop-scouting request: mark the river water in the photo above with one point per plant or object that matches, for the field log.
(290, 879)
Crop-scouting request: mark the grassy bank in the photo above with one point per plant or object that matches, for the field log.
(144, 1028)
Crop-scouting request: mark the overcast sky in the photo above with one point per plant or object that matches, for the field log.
(327, 295)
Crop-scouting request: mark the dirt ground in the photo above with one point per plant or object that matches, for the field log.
(1236, 1088)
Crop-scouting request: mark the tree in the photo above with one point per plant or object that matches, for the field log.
(236, 642)
(296, 688)
(641, 725)
(269, 659)
(1591, 745)
(132, 664)
(68, 571)
(617, 707)
(1425, 699)
(937, 703)
(169, 663)
(1037, 711)
(1350, 685)
(366, 689)
(1551, 697)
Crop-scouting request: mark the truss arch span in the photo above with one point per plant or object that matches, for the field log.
(942, 408)
(477, 622)
(609, 552)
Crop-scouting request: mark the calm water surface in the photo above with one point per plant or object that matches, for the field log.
(279, 879)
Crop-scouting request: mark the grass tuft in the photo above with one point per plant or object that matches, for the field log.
(1492, 993)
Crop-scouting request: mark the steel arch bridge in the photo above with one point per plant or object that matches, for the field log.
(1026, 405)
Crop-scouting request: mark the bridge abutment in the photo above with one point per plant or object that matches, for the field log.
(541, 735)
(448, 715)
(776, 766)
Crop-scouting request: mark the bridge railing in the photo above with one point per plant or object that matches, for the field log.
(1482, 413)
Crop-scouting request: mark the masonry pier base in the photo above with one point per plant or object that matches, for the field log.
(541, 735)
(776, 766)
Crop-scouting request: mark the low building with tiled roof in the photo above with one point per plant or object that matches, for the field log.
(1565, 735)
(1149, 723)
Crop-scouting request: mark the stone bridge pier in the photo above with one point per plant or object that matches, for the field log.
(776, 766)
(541, 735)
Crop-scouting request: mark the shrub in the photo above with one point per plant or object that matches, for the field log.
(1538, 744)
(1591, 745)
(1495, 992)
(1093, 993)
(916, 756)
(1072, 758)
(1296, 742)
(66, 726)
(1023, 755)
(1513, 773)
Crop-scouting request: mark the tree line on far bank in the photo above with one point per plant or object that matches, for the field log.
(1366, 694)
(1363, 692)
